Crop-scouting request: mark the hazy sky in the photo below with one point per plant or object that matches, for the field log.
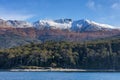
(103, 11)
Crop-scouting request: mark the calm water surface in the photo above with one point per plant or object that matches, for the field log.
(59, 76)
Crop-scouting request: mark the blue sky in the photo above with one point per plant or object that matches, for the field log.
(103, 11)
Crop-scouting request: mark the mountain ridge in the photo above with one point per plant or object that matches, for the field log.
(62, 24)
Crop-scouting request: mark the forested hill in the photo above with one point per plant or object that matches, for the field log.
(98, 54)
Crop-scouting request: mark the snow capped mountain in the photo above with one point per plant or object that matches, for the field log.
(79, 25)
(18, 24)
(15, 24)
(63, 20)
(87, 25)
(53, 24)
(3, 23)
(62, 24)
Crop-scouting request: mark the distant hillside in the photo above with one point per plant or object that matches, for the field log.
(10, 37)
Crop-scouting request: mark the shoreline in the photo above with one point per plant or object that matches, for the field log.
(58, 70)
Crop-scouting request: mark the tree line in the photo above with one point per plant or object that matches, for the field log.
(97, 54)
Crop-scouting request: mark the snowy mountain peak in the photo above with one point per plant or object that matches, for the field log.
(63, 20)
(18, 24)
(54, 24)
(88, 25)
(100, 24)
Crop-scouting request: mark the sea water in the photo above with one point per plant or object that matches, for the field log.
(59, 76)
